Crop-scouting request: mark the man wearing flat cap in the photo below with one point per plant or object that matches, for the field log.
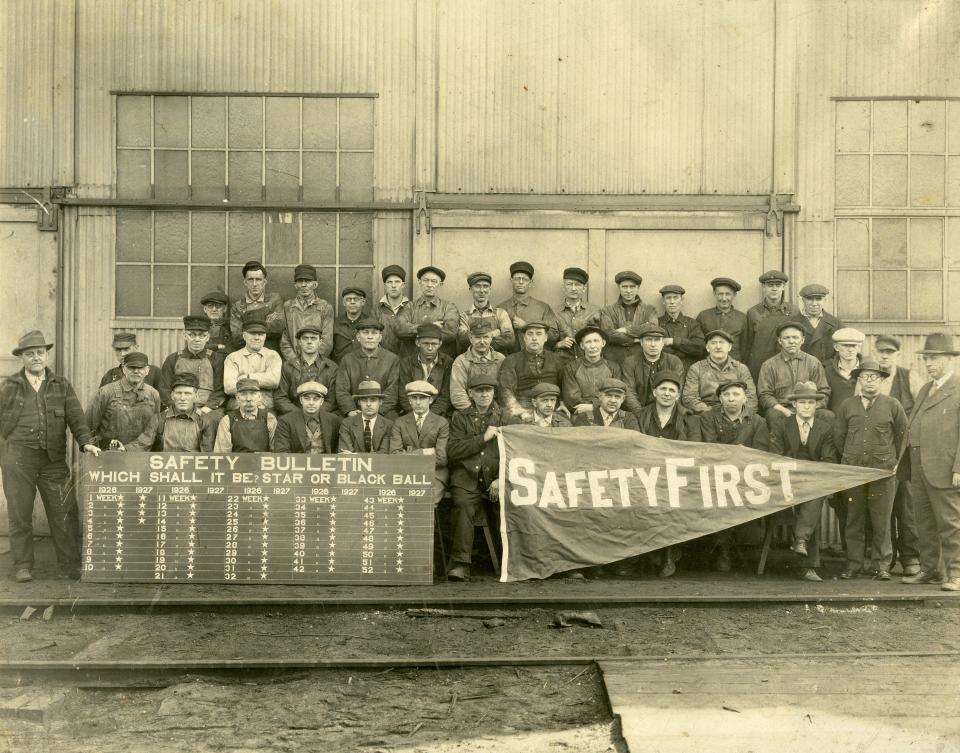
(504, 339)
(574, 312)
(763, 319)
(36, 408)
(123, 415)
(249, 427)
(422, 432)
(309, 429)
(306, 308)
(818, 324)
(870, 430)
(430, 365)
(353, 301)
(309, 366)
(394, 309)
(256, 299)
(215, 305)
(544, 399)
(664, 416)
(254, 360)
(368, 362)
(684, 336)
(430, 307)
(523, 307)
(847, 345)
(782, 371)
(622, 320)
(935, 465)
(480, 356)
(197, 359)
(521, 371)
(611, 393)
(368, 430)
(181, 426)
(582, 376)
(641, 367)
(724, 316)
(703, 378)
(123, 343)
(474, 460)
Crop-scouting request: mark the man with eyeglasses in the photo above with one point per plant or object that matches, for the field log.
(574, 313)
(504, 339)
(869, 431)
(524, 308)
(197, 359)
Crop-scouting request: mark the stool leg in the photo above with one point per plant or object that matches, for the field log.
(767, 538)
(492, 548)
(439, 535)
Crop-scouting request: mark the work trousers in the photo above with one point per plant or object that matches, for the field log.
(873, 501)
(467, 504)
(806, 526)
(25, 471)
(938, 522)
(903, 528)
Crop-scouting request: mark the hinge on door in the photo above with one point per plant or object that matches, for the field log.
(422, 213)
(48, 213)
(774, 219)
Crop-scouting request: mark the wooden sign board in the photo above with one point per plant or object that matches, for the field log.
(257, 518)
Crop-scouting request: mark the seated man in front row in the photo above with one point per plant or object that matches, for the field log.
(309, 429)
(248, 428)
(474, 459)
(183, 427)
(544, 398)
(665, 417)
(368, 430)
(423, 432)
(308, 365)
(521, 371)
(610, 396)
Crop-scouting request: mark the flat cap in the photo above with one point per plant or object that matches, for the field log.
(124, 339)
(848, 335)
(724, 386)
(312, 387)
(429, 329)
(791, 324)
(521, 266)
(482, 378)
(184, 379)
(719, 333)
(430, 268)
(627, 275)
(253, 321)
(814, 290)
(668, 376)
(868, 364)
(886, 342)
(254, 265)
(678, 289)
(612, 385)
(544, 389)
(308, 328)
(393, 269)
(481, 326)
(215, 296)
(195, 322)
(474, 277)
(420, 387)
(353, 290)
(368, 388)
(135, 359)
(716, 282)
(533, 325)
(247, 384)
(575, 273)
(774, 275)
(305, 272)
(368, 322)
(649, 329)
(590, 329)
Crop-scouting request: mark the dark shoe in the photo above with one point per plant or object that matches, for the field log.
(799, 547)
(921, 578)
(950, 585)
(848, 574)
(667, 569)
(573, 575)
(459, 573)
(723, 564)
(811, 575)
(881, 575)
(909, 570)
(23, 575)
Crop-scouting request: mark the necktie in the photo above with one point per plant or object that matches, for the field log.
(419, 424)
(933, 389)
(367, 436)
(804, 431)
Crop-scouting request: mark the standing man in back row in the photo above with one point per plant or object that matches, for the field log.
(123, 343)
(522, 307)
(684, 336)
(269, 307)
(575, 312)
(725, 317)
(622, 320)
(818, 324)
(764, 318)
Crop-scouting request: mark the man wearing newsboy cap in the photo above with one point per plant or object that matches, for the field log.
(306, 307)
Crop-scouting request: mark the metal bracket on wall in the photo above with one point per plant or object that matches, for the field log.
(778, 206)
(48, 211)
(422, 213)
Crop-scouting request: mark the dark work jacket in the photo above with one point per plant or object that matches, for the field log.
(751, 432)
(411, 371)
(687, 338)
(818, 342)
(785, 438)
(624, 420)
(870, 438)
(840, 387)
(473, 462)
(639, 379)
(901, 390)
(63, 410)
(684, 426)
(291, 433)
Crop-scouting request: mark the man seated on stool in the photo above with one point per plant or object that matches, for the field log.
(475, 460)
(423, 432)
(183, 427)
(309, 429)
(544, 398)
(610, 396)
(808, 436)
(368, 430)
(249, 428)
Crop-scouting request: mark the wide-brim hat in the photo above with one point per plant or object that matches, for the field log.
(939, 344)
(33, 339)
(868, 364)
(368, 388)
(804, 391)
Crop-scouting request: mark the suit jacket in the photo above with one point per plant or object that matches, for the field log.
(291, 434)
(435, 433)
(935, 433)
(624, 420)
(785, 437)
(351, 434)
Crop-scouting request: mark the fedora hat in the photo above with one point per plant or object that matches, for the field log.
(868, 364)
(804, 391)
(937, 344)
(368, 388)
(33, 339)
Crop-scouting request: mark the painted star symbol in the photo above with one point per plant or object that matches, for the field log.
(400, 539)
(399, 569)
(263, 576)
(332, 538)
(332, 561)
(189, 575)
(119, 567)
(143, 497)
(190, 560)
(193, 498)
(120, 497)
(142, 521)
(193, 507)
(119, 559)
(330, 569)
(263, 560)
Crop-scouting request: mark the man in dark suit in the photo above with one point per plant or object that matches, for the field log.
(422, 432)
(806, 436)
(308, 429)
(935, 465)
(368, 430)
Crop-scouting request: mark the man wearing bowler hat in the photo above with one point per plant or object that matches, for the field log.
(621, 320)
(430, 307)
(574, 312)
(521, 371)
(702, 379)
(504, 339)
(269, 307)
(394, 308)
(309, 366)
(582, 376)
(430, 365)
(368, 362)
(480, 356)
(123, 343)
(306, 308)
(760, 342)
(368, 430)
(254, 360)
(308, 429)
(474, 460)
(724, 316)
(250, 427)
(36, 408)
(123, 415)
(522, 307)
(869, 430)
(818, 324)
(215, 304)
(197, 359)
(611, 393)
(182, 427)
(935, 465)
(684, 335)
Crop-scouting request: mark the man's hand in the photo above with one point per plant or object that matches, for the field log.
(92, 449)
(566, 342)
(352, 413)
(116, 444)
(783, 409)
(490, 433)
(204, 410)
(583, 408)
(518, 322)
(667, 341)
(428, 451)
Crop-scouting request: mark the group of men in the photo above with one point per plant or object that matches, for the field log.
(263, 374)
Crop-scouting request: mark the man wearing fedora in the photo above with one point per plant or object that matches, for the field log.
(308, 429)
(807, 436)
(123, 415)
(123, 343)
(935, 465)
(36, 408)
(306, 307)
(368, 430)
(583, 375)
(869, 431)
(183, 426)
(723, 316)
(621, 319)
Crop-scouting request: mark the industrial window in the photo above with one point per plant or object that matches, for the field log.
(897, 228)
(194, 150)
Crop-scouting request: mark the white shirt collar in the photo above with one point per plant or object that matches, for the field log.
(36, 381)
(942, 380)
